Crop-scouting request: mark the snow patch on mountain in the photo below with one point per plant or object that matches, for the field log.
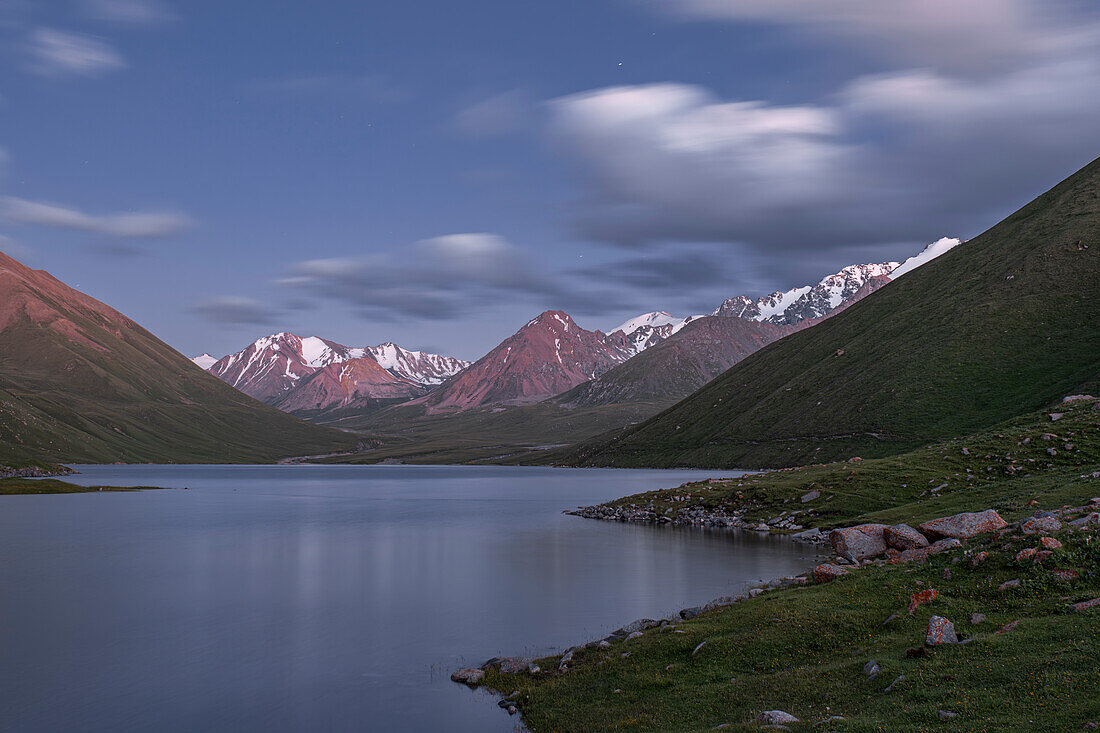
(928, 254)
(204, 360)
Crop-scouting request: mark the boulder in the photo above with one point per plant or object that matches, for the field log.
(507, 665)
(1009, 585)
(468, 676)
(923, 553)
(1040, 525)
(1086, 605)
(862, 541)
(1026, 554)
(904, 537)
(810, 496)
(920, 598)
(826, 572)
(978, 558)
(940, 631)
(963, 526)
(775, 717)
(1050, 543)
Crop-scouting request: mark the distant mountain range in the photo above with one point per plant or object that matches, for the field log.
(1002, 326)
(550, 357)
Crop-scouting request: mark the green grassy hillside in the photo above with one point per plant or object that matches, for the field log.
(997, 327)
(80, 382)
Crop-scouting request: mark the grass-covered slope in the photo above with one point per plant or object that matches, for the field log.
(80, 382)
(803, 649)
(999, 326)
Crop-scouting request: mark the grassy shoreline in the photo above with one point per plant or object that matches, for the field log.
(802, 649)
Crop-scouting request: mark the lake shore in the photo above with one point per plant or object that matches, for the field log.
(853, 645)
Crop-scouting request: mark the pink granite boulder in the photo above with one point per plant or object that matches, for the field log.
(963, 526)
(859, 542)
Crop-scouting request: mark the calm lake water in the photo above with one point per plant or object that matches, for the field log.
(336, 598)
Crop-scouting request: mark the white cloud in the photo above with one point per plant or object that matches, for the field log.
(63, 53)
(130, 12)
(129, 225)
(971, 35)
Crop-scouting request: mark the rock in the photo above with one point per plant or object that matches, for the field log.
(1009, 584)
(864, 540)
(871, 669)
(810, 496)
(946, 714)
(696, 649)
(920, 598)
(923, 553)
(964, 526)
(1056, 416)
(633, 635)
(775, 717)
(1078, 398)
(940, 631)
(512, 710)
(604, 644)
(978, 559)
(826, 572)
(1086, 605)
(533, 668)
(1066, 575)
(903, 537)
(641, 624)
(468, 676)
(891, 617)
(830, 719)
(1040, 525)
(900, 678)
(1026, 554)
(1050, 543)
(762, 527)
(946, 574)
(809, 535)
(1092, 518)
(689, 613)
(1008, 627)
(1043, 556)
(977, 618)
(507, 665)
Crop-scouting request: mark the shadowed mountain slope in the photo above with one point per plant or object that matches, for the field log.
(999, 327)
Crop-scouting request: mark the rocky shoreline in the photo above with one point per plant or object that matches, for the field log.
(35, 472)
(854, 547)
(700, 516)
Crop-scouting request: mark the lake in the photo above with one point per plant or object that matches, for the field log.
(336, 598)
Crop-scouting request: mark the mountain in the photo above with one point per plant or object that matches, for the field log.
(416, 366)
(359, 384)
(679, 365)
(80, 382)
(272, 367)
(204, 360)
(813, 301)
(1002, 326)
(546, 357)
(649, 329)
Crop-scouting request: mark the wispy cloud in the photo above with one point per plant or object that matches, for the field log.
(137, 225)
(129, 12)
(59, 53)
(235, 310)
(497, 114)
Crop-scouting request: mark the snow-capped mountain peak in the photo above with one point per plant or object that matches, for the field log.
(204, 360)
(649, 329)
(417, 366)
(927, 254)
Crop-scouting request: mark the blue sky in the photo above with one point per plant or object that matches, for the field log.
(435, 173)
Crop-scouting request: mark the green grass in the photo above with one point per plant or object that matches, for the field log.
(12, 486)
(82, 383)
(490, 434)
(802, 650)
(994, 328)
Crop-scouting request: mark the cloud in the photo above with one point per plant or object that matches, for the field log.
(129, 12)
(148, 225)
(662, 273)
(63, 53)
(495, 115)
(235, 310)
(890, 158)
(970, 36)
(438, 279)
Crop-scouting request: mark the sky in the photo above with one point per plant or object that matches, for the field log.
(436, 173)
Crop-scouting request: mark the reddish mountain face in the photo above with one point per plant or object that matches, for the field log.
(356, 383)
(549, 355)
(273, 365)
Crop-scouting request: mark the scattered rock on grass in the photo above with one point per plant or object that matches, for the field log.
(871, 669)
(940, 631)
(946, 715)
(1086, 605)
(904, 537)
(920, 598)
(1037, 525)
(964, 526)
(1050, 543)
(775, 717)
(1009, 584)
(825, 572)
(900, 678)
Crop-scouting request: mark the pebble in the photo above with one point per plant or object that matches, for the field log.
(946, 715)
